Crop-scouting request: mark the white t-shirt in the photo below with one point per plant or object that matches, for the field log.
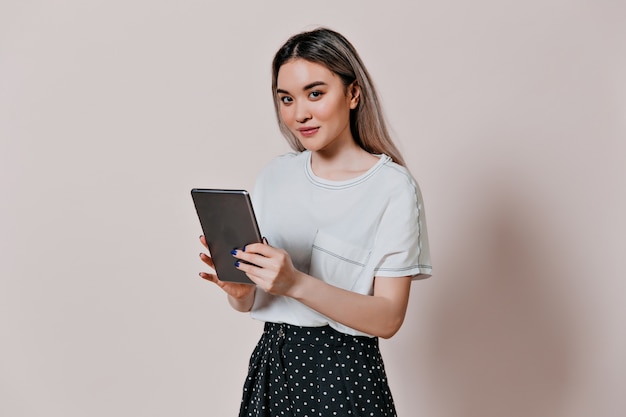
(342, 232)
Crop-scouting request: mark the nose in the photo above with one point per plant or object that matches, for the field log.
(303, 114)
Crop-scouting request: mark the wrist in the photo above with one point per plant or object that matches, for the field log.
(299, 289)
(243, 302)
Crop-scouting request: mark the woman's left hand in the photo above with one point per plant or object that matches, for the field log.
(268, 267)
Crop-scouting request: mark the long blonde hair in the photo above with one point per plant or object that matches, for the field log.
(332, 50)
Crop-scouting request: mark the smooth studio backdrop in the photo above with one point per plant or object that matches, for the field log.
(512, 116)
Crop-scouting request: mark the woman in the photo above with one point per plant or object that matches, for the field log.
(345, 233)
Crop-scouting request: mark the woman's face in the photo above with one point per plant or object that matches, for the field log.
(315, 105)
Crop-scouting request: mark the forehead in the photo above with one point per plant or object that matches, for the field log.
(300, 72)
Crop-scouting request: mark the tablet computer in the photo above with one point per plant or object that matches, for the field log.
(228, 222)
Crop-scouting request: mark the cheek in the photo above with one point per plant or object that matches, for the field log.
(325, 110)
(286, 114)
(335, 112)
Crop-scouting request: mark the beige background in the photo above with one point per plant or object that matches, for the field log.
(512, 115)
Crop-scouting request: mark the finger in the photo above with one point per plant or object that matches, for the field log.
(209, 277)
(257, 274)
(213, 278)
(260, 248)
(256, 280)
(207, 260)
(253, 258)
(263, 278)
(203, 241)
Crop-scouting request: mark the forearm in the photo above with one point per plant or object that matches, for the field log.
(380, 314)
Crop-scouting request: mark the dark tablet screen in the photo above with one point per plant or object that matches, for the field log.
(228, 222)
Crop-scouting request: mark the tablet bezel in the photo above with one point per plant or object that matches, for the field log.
(228, 222)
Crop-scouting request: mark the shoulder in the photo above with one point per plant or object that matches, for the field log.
(283, 162)
(280, 168)
(397, 180)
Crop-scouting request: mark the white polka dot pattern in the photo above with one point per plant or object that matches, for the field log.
(315, 372)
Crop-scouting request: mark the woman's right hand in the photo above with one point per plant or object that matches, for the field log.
(241, 296)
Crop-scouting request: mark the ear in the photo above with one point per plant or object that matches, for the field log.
(354, 93)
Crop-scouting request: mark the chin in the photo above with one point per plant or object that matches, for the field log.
(309, 145)
(312, 147)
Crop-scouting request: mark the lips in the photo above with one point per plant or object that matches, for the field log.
(308, 131)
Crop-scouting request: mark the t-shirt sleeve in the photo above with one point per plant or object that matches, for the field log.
(401, 247)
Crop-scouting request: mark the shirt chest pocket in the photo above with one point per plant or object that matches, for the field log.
(337, 262)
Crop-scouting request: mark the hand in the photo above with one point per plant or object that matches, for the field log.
(234, 289)
(268, 267)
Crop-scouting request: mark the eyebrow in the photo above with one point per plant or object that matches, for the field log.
(306, 87)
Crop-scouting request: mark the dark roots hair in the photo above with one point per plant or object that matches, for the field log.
(331, 49)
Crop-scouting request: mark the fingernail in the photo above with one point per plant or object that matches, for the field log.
(243, 249)
(237, 264)
(233, 252)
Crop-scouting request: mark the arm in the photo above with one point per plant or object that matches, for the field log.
(380, 314)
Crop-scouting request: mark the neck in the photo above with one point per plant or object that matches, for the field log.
(349, 163)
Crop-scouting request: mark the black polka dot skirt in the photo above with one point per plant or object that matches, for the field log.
(315, 372)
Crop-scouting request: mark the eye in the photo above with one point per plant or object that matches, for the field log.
(314, 95)
(286, 99)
